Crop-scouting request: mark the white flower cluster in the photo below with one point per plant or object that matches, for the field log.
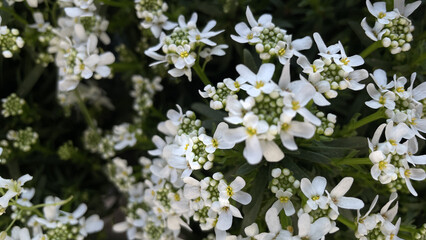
(52, 224)
(316, 218)
(270, 40)
(10, 41)
(392, 28)
(181, 46)
(327, 123)
(22, 139)
(89, 93)
(161, 205)
(76, 44)
(405, 112)
(143, 92)
(379, 225)
(333, 71)
(121, 136)
(12, 105)
(152, 14)
(269, 112)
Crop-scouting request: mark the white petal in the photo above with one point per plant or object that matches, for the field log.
(253, 151)
(302, 44)
(266, 71)
(224, 221)
(271, 151)
(318, 184)
(342, 188)
(242, 197)
(350, 203)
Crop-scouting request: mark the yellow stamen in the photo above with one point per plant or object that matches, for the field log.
(381, 15)
(229, 191)
(281, 52)
(345, 61)
(285, 126)
(382, 165)
(259, 84)
(184, 54)
(295, 104)
(251, 131)
(284, 199)
(315, 198)
(215, 143)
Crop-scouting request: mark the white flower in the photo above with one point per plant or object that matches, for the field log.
(40, 25)
(196, 36)
(238, 108)
(13, 188)
(233, 191)
(184, 57)
(380, 99)
(313, 70)
(290, 129)
(324, 51)
(301, 93)
(312, 231)
(218, 141)
(314, 191)
(406, 10)
(226, 212)
(284, 202)
(337, 198)
(382, 167)
(366, 223)
(217, 51)
(374, 33)
(347, 62)
(72, 218)
(408, 173)
(90, 225)
(354, 77)
(260, 82)
(391, 231)
(378, 9)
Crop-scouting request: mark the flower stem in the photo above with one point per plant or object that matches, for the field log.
(201, 74)
(353, 161)
(371, 48)
(371, 118)
(84, 110)
(13, 222)
(347, 222)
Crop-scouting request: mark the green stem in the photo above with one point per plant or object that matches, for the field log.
(347, 222)
(407, 229)
(13, 222)
(84, 110)
(15, 15)
(201, 74)
(44, 204)
(371, 118)
(371, 48)
(115, 4)
(353, 161)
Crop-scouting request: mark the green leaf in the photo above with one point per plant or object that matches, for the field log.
(259, 184)
(246, 168)
(206, 111)
(249, 60)
(30, 80)
(311, 156)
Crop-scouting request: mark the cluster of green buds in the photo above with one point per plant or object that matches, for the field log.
(106, 147)
(397, 35)
(23, 139)
(147, 9)
(63, 232)
(143, 92)
(397, 184)
(421, 234)
(91, 139)
(199, 154)
(190, 124)
(218, 94)
(284, 180)
(10, 41)
(5, 151)
(120, 174)
(273, 42)
(12, 105)
(327, 123)
(67, 150)
(269, 107)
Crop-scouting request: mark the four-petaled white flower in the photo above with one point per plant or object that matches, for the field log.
(314, 191)
(233, 191)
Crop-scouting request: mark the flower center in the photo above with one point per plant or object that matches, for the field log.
(250, 36)
(382, 100)
(236, 84)
(259, 84)
(315, 198)
(381, 15)
(184, 54)
(295, 105)
(177, 197)
(407, 173)
(251, 131)
(198, 37)
(314, 68)
(284, 199)
(281, 52)
(400, 89)
(392, 142)
(215, 143)
(345, 61)
(382, 165)
(285, 126)
(229, 191)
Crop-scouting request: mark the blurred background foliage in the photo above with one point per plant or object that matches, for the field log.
(83, 176)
